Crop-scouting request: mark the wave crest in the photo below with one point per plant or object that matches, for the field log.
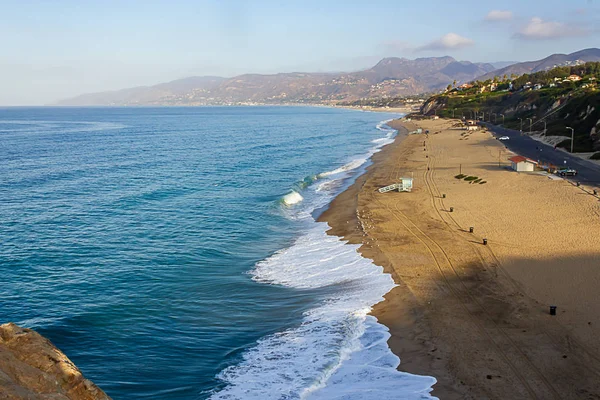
(292, 198)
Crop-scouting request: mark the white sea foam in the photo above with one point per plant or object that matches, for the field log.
(352, 165)
(338, 351)
(328, 181)
(292, 198)
(328, 185)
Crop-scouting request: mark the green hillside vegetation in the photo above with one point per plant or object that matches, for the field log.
(382, 102)
(542, 96)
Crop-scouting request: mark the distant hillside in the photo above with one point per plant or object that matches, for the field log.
(146, 95)
(390, 77)
(555, 60)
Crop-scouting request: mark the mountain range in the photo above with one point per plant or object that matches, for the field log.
(390, 77)
(553, 61)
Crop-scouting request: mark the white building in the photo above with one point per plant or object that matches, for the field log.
(522, 164)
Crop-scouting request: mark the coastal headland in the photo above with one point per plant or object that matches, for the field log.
(32, 368)
(474, 315)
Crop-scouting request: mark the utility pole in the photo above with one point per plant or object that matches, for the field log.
(544, 127)
(499, 152)
(521, 130)
(572, 136)
(530, 124)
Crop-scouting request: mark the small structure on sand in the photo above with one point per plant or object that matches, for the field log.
(405, 185)
(522, 164)
(472, 127)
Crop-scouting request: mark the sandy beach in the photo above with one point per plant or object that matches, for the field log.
(477, 316)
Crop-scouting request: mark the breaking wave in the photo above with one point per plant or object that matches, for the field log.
(292, 198)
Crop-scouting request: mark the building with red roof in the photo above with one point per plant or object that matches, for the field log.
(522, 164)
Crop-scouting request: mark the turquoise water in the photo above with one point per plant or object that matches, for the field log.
(161, 250)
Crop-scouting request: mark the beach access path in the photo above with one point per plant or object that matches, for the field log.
(477, 316)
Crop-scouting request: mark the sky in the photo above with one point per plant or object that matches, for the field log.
(52, 50)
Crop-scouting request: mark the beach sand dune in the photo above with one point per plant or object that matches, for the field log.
(477, 316)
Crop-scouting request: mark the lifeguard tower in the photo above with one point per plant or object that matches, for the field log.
(405, 185)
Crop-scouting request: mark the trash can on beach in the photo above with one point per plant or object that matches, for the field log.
(552, 310)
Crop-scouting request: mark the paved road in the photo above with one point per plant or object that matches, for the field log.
(587, 172)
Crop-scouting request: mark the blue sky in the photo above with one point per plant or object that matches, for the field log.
(52, 50)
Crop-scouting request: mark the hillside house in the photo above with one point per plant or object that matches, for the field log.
(574, 78)
(522, 164)
(465, 86)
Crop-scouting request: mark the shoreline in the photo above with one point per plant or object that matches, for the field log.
(342, 216)
(474, 318)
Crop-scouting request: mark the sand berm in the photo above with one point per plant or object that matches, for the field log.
(477, 316)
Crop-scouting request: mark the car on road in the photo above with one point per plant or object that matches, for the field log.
(567, 172)
(503, 138)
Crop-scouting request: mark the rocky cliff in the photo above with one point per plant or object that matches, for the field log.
(32, 368)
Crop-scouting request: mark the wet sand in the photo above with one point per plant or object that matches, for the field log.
(476, 317)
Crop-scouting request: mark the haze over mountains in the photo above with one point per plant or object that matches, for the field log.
(555, 60)
(391, 77)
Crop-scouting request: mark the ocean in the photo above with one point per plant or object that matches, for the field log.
(173, 253)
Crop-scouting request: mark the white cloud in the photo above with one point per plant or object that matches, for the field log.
(498, 15)
(449, 41)
(538, 29)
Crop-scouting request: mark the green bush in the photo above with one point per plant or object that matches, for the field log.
(595, 156)
(482, 182)
(470, 178)
(477, 180)
(460, 176)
